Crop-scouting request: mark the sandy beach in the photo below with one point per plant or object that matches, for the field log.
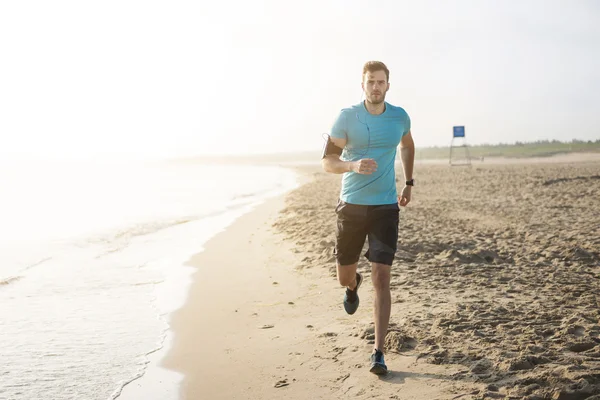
(495, 291)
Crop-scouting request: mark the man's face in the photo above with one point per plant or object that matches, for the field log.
(375, 86)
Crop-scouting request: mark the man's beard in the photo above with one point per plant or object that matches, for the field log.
(376, 100)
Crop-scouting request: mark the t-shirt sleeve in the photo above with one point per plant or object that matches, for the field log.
(340, 127)
(406, 125)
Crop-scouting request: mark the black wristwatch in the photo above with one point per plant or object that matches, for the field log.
(410, 183)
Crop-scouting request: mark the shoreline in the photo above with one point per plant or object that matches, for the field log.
(155, 381)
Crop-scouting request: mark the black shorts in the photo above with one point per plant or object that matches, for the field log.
(357, 222)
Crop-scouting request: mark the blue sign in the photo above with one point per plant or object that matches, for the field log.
(459, 131)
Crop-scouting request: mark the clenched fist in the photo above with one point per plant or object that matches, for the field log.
(366, 166)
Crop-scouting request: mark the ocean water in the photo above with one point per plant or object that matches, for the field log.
(92, 263)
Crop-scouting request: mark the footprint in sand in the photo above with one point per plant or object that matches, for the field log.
(281, 383)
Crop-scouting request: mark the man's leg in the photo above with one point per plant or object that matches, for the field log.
(380, 275)
(383, 242)
(350, 238)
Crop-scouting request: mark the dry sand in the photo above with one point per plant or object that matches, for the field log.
(495, 289)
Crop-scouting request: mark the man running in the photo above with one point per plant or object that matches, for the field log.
(362, 146)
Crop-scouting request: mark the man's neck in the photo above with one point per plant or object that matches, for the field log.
(375, 109)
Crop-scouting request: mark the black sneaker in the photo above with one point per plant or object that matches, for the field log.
(378, 363)
(351, 300)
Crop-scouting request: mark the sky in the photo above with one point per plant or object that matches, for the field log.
(155, 79)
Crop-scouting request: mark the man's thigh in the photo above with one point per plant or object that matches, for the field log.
(383, 233)
(351, 232)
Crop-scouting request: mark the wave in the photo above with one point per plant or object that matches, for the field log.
(120, 239)
(10, 279)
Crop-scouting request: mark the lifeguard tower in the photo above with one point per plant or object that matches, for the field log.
(459, 142)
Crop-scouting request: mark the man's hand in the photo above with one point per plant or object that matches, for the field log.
(404, 198)
(366, 166)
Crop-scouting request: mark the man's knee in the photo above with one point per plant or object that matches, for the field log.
(381, 276)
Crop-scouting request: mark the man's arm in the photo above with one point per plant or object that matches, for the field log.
(332, 163)
(407, 154)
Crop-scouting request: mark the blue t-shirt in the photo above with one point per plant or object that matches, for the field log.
(376, 137)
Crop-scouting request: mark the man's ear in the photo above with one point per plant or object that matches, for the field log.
(362, 85)
(388, 86)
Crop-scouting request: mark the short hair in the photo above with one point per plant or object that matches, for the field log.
(372, 66)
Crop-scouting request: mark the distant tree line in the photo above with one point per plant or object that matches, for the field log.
(537, 142)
